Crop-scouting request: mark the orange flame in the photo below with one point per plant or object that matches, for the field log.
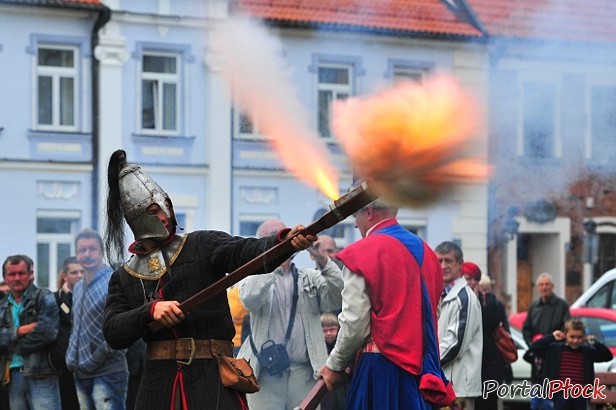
(411, 142)
(249, 59)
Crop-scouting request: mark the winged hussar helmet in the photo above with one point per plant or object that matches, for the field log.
(131, 192)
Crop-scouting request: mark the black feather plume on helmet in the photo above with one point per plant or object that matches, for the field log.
(114, 234)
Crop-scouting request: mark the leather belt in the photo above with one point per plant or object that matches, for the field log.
(184, 350)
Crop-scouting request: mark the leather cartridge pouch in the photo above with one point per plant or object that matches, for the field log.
(236, 374)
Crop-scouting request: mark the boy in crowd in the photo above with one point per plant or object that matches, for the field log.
(333, 400)
(570, 355)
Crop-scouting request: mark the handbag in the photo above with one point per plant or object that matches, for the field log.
(505, 344)
(237, 374)
(273, 356)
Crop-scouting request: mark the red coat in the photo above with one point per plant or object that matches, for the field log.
(394, 285)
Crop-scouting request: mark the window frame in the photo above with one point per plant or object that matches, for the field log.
(397, 66)
(52, 240)
(556, 152)
(57, 74)
(161, 79)
(356, 72)
(237, 126)
(336, 89)
(253, 218)
(185, 59)
(590, 139)
(419, 226)
(185, 206)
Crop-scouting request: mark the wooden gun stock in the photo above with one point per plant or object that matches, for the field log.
(344, 207)
(314, 398)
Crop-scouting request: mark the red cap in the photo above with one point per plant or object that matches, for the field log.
(472, 270)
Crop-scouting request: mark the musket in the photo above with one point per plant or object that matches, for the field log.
(341, 209)
(314, 397)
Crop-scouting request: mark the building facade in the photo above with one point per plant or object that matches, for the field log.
(553, 144)
(84, 78)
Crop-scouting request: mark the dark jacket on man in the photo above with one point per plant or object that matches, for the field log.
(545, 317)
(39, 305)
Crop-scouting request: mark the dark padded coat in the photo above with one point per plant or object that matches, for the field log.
(206, 257)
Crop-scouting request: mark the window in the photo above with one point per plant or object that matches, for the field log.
(539, 119)
(180, 217)
(160, 88)
(603, 124)
(600, 299)
(55, 234)
(603, 329)
(334, 83)
(245, 126)
(606, 258)
(344, 234)
(250, 223)
(399, 70)
(417, 229)
(401, 74)
(57, 79)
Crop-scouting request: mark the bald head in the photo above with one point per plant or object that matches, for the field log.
(269, 228)
(328, 245)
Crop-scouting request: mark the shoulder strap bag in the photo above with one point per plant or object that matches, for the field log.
(274, 357)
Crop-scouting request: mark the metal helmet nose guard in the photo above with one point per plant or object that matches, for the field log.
(137, 192)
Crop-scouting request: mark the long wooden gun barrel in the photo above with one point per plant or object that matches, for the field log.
(341, 209)
(314, 397)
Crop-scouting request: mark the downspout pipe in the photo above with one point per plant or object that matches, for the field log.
(104, 15)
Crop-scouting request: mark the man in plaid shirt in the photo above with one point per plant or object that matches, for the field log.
(100, 372)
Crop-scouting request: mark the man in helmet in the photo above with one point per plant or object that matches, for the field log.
(166, 268)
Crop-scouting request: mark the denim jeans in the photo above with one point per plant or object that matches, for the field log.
(538, 403)
(29, 393)
(102, 393)
(578, 403)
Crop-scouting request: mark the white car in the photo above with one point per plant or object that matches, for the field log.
(601, 294)
(520, 368)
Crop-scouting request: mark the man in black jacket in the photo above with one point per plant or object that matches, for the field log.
(545, 315)
(29, 322)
